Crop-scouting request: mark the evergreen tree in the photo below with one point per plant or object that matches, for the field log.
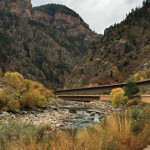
(131, 88)
(146, 3)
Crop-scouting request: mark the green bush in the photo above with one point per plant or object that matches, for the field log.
(131, 89)
(126, 63)
(18, 132)
(15, 131)
(139, 119)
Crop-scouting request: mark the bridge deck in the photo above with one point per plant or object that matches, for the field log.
(145, 98)
(87, 98)
(144, 87)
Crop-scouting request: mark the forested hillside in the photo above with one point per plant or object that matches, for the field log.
(123, 50)
(42, 43)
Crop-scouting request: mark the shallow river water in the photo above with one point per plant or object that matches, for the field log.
(85, 118)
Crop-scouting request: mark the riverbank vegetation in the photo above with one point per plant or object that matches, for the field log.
(127, 95)
(126, 130)
(20, 93)
(118, 97)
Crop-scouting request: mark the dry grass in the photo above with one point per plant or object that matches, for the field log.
(90, 139)
(120, 130)
(124, 131)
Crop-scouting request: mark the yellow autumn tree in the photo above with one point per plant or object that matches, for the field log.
(29, 85)
(23, 93)
(33, 99)
(117, 97)
(139, 76)
(7, 95)
(13, 104)
(14, 79)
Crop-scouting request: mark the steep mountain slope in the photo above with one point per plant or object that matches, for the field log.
(122, 51)
(69, 23)
(42, 43)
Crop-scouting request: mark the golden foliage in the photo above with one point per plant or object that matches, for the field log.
(114, 91)
(14, 79)
(4, 108)
(13, 104)
(117, 97)
(23, 93)
(33, 99)
(4, 97)
(141, 75)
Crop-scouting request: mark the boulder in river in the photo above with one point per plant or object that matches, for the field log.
(72, 110)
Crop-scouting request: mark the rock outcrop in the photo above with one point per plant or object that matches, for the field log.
(59, 114)
(20, 8)
(42, 43)
(123, 50)
(68, 22)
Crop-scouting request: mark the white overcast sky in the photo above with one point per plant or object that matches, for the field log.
(99, 14)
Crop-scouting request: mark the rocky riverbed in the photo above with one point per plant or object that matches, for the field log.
(62, 114)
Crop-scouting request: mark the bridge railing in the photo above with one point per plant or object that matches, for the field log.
(144, 87)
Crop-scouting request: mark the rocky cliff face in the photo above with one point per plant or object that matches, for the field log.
(21, 8)
(69, 23)
(42, 43)
(73, 25)
(123, 50)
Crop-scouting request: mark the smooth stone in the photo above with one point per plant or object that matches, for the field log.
(91, 118)
(72, 111)
(148, 148)
(5, 114)
(92, 113)
(23, 112)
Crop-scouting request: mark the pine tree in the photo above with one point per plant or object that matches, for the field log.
(146, 3)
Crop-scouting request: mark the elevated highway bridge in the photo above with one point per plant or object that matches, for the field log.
(102, 92)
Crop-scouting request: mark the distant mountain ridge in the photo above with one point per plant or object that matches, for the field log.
(42, 43)
(122, 51)
(52, 9)
(68, 22)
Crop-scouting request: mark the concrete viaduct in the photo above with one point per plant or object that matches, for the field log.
(102, 92)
